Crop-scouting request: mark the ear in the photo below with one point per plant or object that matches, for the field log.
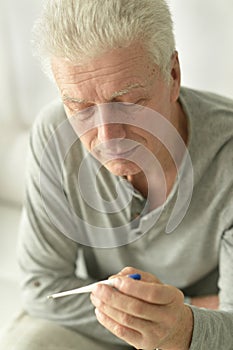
(175, 77)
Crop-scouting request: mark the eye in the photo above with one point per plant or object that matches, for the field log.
(132, 107)
(85, 114)
(141, 102)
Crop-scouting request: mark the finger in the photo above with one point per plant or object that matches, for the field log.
(122, 317)
(154, 293)
(125, 272)
(146, 276)
(130, 336)
(104, 296)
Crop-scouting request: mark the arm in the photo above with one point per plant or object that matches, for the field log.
(208, 302)
(47, 258)
(214, 329)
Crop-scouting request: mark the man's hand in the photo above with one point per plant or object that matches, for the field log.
(146, 314)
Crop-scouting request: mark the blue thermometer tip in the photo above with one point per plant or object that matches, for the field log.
(135, 276)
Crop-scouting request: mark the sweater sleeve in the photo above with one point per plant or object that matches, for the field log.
(214, 329)
(47, 257)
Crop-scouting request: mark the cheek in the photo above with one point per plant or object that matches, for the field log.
(161, 99)
(161, 105)
(140, 134)
(146, 139)
(88, 139)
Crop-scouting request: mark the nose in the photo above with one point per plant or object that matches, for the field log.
(111, 131)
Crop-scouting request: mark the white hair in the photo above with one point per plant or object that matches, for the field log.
(80, 30)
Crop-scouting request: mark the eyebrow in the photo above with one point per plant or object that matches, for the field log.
(119, 93)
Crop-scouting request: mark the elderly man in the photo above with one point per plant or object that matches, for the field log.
(129, 170)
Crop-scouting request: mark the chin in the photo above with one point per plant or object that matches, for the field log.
(122, 167)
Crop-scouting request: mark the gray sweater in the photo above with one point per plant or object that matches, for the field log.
(61, 230)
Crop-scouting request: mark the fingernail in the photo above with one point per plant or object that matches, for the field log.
(98, 313)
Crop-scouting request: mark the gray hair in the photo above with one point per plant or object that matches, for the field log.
(80, 30)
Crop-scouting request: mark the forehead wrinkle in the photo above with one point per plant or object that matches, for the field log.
(118, 93)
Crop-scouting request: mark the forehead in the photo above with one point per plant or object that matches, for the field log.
(114, 71)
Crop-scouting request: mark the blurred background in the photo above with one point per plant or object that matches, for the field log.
(204, 32)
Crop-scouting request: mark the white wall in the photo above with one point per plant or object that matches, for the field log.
(204, 36)
(204, 32)
(23, 88)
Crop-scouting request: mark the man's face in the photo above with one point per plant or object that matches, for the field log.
(123, 75)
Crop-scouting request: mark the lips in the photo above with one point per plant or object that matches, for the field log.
(114, 154)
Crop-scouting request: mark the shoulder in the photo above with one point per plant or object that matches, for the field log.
(203, 99)
(53, 133)
(49, 118)
(210, 117)
(208, 110)
(211, 135)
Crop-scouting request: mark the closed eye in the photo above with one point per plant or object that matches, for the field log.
(133, 106)
(85, 114)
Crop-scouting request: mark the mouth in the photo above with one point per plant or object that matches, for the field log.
(123, 154)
